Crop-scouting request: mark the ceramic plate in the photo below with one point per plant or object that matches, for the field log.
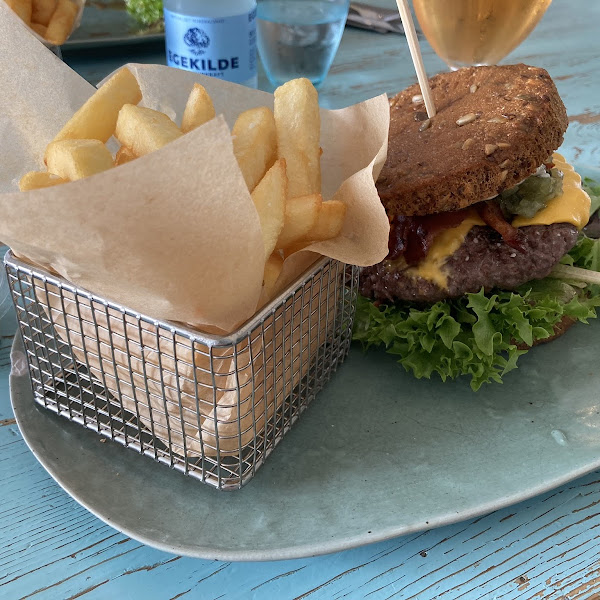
(107, 23)
(378, 454)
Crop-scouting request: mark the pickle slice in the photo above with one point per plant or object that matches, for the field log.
(532, 194)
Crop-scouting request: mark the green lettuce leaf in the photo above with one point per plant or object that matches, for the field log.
(593, 189)
(481, 335)
(585, 254)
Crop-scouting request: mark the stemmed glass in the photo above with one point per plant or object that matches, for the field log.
(477, 32)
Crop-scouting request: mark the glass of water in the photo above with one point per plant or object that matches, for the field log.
(299, 38)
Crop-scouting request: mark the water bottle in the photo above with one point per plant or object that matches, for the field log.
(215, 38)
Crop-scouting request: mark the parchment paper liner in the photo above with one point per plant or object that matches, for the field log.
(143, 236)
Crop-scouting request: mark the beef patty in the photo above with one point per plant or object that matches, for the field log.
(483, 260)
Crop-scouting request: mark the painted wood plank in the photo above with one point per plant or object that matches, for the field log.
(543, 544)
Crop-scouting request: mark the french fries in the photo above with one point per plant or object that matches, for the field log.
(42, 11)
(254, 143)
(23, 8)
(278, 154)
(329, 222)
(39, 29)
(308, 221)
(298, 126)
(61, 22)
(301, 215)
(123, 155)
(97, 118)
(35, 180)
(273, 268)
(198, 110)
(51, 19)
(269, 199)
(144, 130)
(76, 159)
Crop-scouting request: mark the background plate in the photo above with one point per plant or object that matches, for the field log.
(378, 454)
(107, 23)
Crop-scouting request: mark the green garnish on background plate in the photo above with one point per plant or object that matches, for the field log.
(145, 12)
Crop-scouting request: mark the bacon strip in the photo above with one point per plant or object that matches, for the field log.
(412, 237)
(491, 213)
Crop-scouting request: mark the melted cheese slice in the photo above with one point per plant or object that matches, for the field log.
(444, 245)
(573, 206)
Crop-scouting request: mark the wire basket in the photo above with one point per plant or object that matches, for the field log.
(213, 407)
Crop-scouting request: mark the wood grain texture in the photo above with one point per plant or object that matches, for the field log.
(546, 548)
(53, 548)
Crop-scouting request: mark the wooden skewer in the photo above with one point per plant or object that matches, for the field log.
(415, 53)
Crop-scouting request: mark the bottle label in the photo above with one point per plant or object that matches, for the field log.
(223, 47)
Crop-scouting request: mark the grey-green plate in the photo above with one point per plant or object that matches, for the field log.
(107, 23)
(378, 454)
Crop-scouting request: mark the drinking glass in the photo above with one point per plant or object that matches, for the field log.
(299, 38)
(477, 32)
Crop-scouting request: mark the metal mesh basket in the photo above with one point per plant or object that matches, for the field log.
(212, 407)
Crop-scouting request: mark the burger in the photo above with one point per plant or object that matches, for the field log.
(482, 211)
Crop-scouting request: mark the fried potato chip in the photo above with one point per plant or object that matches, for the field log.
(254, 143)
(34, 180)
(269, 198)
(301, 215)
(76, 159)
(42, 10)
(144, 130)
(61, 22)
(198, 110)
(97, 118)
(298, 127)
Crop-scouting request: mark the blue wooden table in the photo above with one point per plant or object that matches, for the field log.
(546, 547)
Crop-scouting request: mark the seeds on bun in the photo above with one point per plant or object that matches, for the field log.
(512, 120)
